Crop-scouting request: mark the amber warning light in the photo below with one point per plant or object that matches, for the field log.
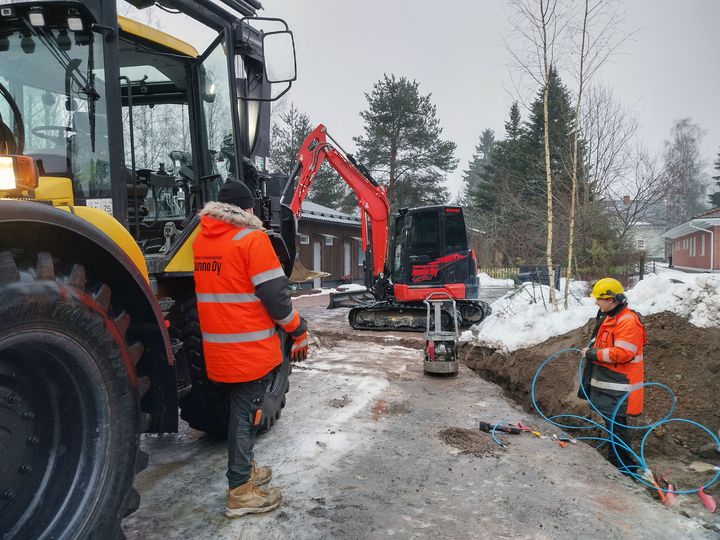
(17, 172)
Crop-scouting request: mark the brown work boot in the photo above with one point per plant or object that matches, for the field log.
(250, 499)
(260, 475)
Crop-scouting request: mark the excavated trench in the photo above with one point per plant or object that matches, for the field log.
(684, 357)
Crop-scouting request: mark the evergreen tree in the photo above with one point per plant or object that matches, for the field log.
(288, 133)
(512, 126)
(472, 177)
(510, 188)
(561, 119)
(715, 197)
(402, 146)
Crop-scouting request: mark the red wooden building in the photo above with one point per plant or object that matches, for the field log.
(695, 245)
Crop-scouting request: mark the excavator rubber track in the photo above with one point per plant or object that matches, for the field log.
(412, 317)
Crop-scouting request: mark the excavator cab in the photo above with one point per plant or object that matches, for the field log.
(430, 247)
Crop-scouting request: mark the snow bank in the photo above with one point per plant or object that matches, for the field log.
(487, 281)
(523, 317)
(693, 296)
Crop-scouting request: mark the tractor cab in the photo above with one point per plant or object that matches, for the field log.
(122, 117)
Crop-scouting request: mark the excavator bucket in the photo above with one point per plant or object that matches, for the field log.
(300, 274)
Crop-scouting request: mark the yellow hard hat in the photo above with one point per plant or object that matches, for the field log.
(607, 288)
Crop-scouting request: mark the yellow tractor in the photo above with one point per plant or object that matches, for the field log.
(112, 136)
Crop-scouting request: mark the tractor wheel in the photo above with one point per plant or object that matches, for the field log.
(206, 407)
(69, 404)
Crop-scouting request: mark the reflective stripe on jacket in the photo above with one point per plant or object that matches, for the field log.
(618, 362)
(242, 294)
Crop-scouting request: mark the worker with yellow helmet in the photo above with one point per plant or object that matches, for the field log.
(614, 363)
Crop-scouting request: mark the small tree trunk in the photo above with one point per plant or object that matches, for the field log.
(548, 178)
(573, 186)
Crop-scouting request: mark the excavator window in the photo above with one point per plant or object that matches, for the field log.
(425, 235)
(455, 235)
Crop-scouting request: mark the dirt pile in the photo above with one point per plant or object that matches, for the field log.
(684, 357)
(468, 441)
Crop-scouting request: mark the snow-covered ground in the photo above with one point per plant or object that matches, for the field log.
(523, 317)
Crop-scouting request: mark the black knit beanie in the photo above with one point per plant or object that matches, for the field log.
(236, 193)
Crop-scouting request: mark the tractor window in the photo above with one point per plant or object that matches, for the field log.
(425, 235)
(455, 235)
(160, 132)
(216, 106)
(62, 102)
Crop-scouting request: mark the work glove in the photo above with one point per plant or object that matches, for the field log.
(300, 337)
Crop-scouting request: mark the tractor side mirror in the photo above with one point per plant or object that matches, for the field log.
(279, 55)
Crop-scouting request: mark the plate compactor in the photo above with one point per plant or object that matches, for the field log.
(441, 353)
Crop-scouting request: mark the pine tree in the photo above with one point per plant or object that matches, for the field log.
(288, 133)
(402, 143)
(715, 197)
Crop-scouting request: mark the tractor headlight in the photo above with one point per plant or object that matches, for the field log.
(17, 172)
(7, 174)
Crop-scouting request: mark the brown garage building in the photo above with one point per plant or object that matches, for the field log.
(330, 241)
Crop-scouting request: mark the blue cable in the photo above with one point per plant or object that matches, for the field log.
(613, 440)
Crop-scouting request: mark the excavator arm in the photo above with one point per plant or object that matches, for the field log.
(371, 196)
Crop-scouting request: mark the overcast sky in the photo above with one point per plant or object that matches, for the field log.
(670, 69)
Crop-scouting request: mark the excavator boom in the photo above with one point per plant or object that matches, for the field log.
(371, 196)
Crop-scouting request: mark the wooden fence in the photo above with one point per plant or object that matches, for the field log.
(501, 272)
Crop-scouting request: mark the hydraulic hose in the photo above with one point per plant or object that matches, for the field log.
(612, 439)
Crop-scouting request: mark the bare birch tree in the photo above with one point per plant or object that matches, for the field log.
(639, 196)
(598, 39)
(609, 130)
(539, 26)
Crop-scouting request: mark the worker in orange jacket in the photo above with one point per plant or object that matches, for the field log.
(615, 365)
(242, 295)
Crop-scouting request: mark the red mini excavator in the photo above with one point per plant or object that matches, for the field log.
(429, 250)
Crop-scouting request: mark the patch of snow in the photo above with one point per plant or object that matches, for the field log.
(523, 316)
(487, 281)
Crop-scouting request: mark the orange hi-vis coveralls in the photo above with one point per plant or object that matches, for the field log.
(617, 356)
(242, 294)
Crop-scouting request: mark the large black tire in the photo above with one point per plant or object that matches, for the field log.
(206, 407)
(69, 404)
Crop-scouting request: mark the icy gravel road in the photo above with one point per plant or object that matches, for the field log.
(357, 455)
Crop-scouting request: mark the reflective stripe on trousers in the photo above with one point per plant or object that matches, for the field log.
(606, 385)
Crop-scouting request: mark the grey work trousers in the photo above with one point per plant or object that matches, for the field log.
(245, 399)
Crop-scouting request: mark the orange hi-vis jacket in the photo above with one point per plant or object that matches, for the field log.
(242, 294)
(617, 354)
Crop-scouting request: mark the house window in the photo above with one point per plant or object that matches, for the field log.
(639, 243)
(361, 255)
(702, 245)
(692, 246)
(328, 240)
(304, 239)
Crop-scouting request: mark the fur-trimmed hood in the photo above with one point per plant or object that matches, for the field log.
(230, 214)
